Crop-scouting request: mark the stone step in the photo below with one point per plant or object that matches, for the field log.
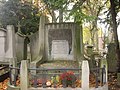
(57, 64)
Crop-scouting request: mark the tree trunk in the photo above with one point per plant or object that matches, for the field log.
(114, 14)
(60, 15)
(25, 48)
(95, 34)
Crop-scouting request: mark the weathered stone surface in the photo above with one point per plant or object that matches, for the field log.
(19, 47)
(111, 58)
(37, 42)
(85, 75)
(10, 48)
(10, 87)
(60, 64)
(24, 75)
(34, 46)
(9, 41)
(2, 44)
(61, 50)
(64, 31)
(60, 47)
(59, 34)
(105, 87)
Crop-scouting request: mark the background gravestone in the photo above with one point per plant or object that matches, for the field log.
(2, 44)
(11, 46)
(34, 46)
(111, 58)
(19, 46)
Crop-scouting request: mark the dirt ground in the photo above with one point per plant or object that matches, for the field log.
(112, 81)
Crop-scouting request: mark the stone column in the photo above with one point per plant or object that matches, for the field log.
(85, 75)
(78, 43)
(10, 54)
(81, 43)
(10, 48)
(14, 72)
(24, 75)
(41, 34)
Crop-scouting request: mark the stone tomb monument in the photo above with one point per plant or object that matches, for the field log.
(63, 41)
(9, 41)
(56, 41)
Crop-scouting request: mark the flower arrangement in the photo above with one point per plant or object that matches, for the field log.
(68, 79)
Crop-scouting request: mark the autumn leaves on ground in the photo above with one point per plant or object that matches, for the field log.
(112, 82)
(3, 85)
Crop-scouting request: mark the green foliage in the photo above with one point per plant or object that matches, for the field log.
(30, 18)
(7, 14)
(86, 35)
(76, 11)
(80, 16)
(15, 12)
(117, 5)
(55, 4)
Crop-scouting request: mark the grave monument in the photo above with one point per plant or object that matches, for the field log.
(56, 41)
